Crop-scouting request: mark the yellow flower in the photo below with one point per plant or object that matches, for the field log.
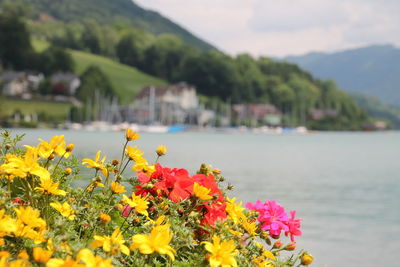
(91, 260)
(140, 204)
(262, 262)
(112, 244)
(134, 153)
(234, 210)
(268, 254)
(40, 255)
(23, 254)
(65, 209)
(68, 262)
(142, 165)
(249, 227)
(222, 253)
(161, 150)
(157, 241)
(201, 191)
(236, 233)
(68, 171)
(307, 259)
(47, 187)
(117, 188)
(96, 164)
(131, 135)
(105, 218)
(7, 224)
(23, 166)
(56, 145)
(19, 263)
(70, 147)
(29, 224)
(4, 254)
(30, 217)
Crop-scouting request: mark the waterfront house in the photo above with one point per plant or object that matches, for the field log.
(176, 103)
(19, 84)
(258, 113)
(65, 83)
(319, 114)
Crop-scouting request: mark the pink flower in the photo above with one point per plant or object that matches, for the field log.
(273, 218)
(126, 211)
(294, 226)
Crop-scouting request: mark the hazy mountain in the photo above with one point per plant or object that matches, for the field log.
(372, 70)
(112, 11)
(377, 109)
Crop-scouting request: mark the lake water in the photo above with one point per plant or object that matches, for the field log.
(345, 186)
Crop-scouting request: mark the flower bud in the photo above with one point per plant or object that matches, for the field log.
(104, 218)
(306, 259)
(68, 171)
(291, 246)
(221, 179)
(229, 187)
(148, 186)
(51, 156)
(7, 146)
(115, 162)
(216, 171)
(69, 147)
(161, 150)
(278, 244)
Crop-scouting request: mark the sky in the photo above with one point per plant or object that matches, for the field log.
(285, 27)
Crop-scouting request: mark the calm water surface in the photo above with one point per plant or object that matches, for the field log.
(345, 186)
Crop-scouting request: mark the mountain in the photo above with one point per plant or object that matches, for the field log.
(114, 11)
(372, 70)
(377, 109)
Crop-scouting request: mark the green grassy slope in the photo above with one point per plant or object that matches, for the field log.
(55, 110)
(126, 80)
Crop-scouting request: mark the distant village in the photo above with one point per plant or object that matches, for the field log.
(154, 106)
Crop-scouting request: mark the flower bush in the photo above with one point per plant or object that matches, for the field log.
(150, 215)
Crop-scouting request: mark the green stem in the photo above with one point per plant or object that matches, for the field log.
(55, 168)
(122, 156)
(126, 218)
(125, 166)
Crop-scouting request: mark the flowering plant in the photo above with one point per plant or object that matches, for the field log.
(150, 216)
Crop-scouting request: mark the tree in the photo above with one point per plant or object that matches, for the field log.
(214, 74)
(16, 51)
(55, 59)
(129, 51)
(93, 79)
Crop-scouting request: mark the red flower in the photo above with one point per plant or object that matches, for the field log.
(214, 213)
(18, 201)
(209, 182)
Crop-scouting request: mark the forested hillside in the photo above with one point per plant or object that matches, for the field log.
(238, 80)
(377, 109)
(373, 70)
(108, 12)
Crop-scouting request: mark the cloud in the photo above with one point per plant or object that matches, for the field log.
(282, 27)
(289, 15)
